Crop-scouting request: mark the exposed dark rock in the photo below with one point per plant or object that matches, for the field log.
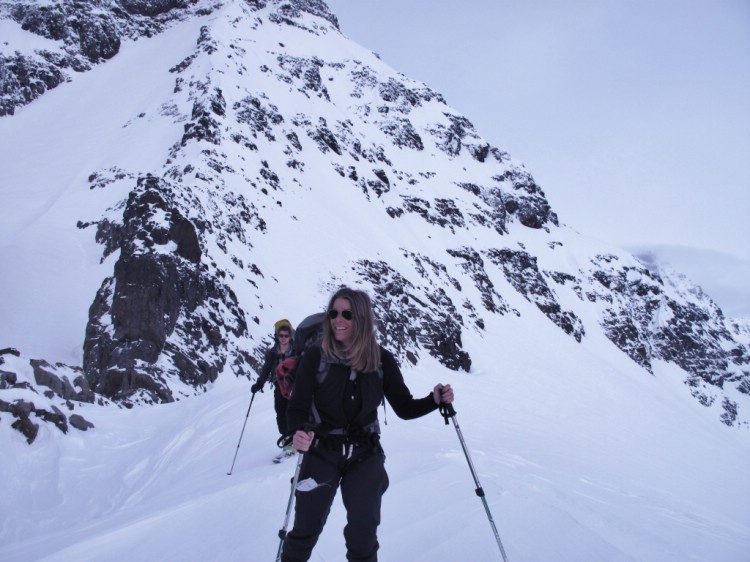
(449, 214)
(398, 94)
(159, 303)
(80, 423)
(306, 72)
(522, 272)
(55, 417)
(50, 383)
(44, 375)
(88, 33)
(402, 133)
(377, 185)
(473, 264)
(204, 125)
(492, 198)
(446, 214)
(289, 12)
(692, 340)
(450, 139)
(729, 416)
(648, 324)
(429, 269)
(21, 410)
(25, 78)
(50, 21)
(525, 199)
(324, 138)
(152, 8)
(261, 118)
(480, 152)
(98, 37)
(407, 322)
(7, 379)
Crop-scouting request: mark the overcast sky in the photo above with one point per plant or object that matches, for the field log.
(633, 116)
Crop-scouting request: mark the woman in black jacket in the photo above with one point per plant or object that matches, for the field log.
(333, 412)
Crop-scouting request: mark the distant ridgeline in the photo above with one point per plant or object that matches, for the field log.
(286, 129)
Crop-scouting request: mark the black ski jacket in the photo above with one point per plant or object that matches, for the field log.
(329, 395)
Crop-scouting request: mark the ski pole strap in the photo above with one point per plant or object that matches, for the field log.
(285, 439)
(447, 411)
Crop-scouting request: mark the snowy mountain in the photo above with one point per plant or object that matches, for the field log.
(723, 276)
(176, 176)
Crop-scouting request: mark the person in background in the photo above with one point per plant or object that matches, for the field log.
(335, 425)
(282, 348)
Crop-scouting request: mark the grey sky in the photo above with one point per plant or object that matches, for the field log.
(633, 116)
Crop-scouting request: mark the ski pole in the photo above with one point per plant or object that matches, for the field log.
(282, 531)
(447, 411)
(241, 433)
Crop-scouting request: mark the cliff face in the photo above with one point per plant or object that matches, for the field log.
(296, 161)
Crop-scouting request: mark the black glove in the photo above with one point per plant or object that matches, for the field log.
(256, 387)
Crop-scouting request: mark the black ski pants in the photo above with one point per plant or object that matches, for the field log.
(363, 480)
(280, 403)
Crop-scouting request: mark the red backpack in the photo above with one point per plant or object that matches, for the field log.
(306, 335)
(285, 376)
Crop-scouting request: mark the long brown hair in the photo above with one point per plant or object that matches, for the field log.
(363, 352)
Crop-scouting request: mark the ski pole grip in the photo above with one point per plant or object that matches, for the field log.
(447, 411)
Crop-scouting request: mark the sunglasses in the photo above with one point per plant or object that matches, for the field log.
(285, 336)
(346, 314)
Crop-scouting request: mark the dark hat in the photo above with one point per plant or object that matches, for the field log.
(284, 323)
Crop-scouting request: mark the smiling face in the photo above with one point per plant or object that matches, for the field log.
(343, 329)
(284, 336)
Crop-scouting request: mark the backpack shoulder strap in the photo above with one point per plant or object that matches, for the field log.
(323, 367)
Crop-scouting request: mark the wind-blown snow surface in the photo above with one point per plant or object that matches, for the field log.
(578, 462)
(582, 454)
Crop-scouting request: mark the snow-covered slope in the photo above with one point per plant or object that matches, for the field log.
(578, 460)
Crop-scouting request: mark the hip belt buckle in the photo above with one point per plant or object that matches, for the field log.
(347, 449)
